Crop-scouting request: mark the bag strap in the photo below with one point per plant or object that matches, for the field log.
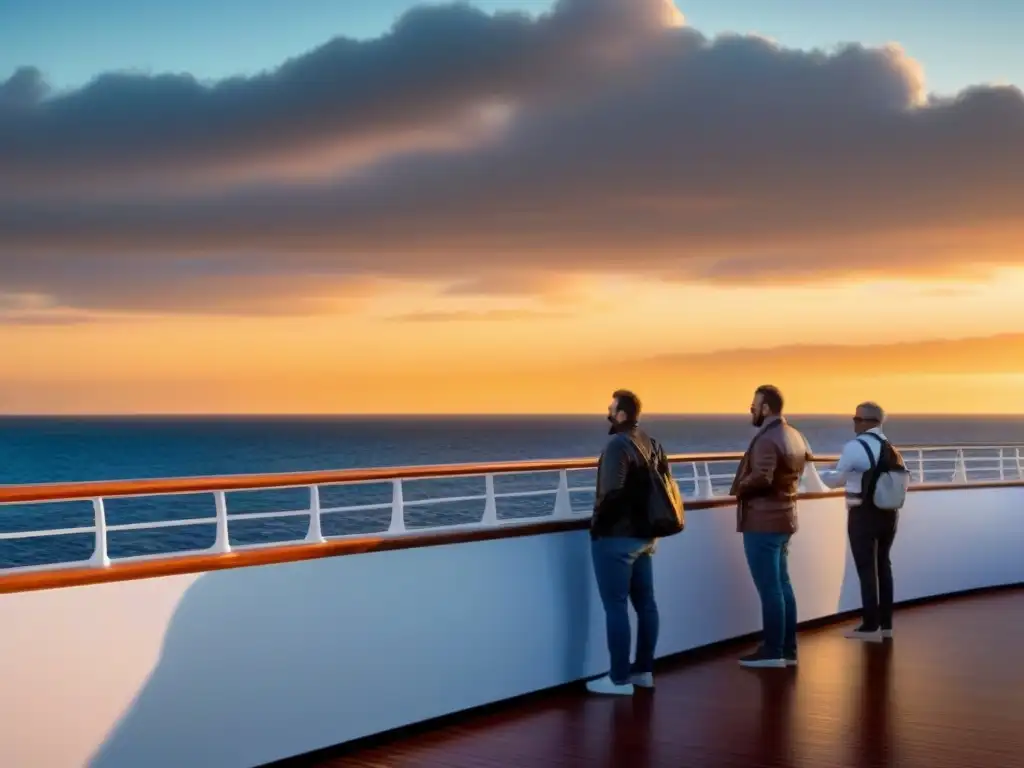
(871, 456)
(882, 445)
(648, 460)
(659, 458)
(867, 490)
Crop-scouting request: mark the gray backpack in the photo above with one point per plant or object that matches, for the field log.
(885, 485)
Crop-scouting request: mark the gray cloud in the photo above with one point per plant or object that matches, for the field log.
(44, 319)
(976, 355)
(632, 145)
(435, 63)
(34, 309)
(490, 315)
(22, 91)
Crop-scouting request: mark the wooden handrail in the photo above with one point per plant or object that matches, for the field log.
(15, 494)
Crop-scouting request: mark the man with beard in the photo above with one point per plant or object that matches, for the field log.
(765, 487)
(621, 550)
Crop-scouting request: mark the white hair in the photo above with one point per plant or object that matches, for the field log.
(871, 411)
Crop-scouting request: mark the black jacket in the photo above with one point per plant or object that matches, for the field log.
(622, 481)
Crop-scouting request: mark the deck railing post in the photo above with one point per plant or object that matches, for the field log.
(314, 535)
(397, 508)
(705, 488)
(811, 480)
(221, 544)
(563, 501)
(960, 469)
(1002, 470)
(920, 465)
(100, 558)
(490, 516)
(1020, 466)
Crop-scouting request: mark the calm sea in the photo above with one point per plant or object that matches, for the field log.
(42, 450)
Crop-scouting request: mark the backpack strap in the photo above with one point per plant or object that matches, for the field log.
(871, 456)
(869, 480)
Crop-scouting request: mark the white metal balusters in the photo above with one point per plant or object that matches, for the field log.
(563, 500)
(811, 480)
(315, 534)
(397, 508)
(490, 516)
(100, 557)
(960, 468)
(221, 543)
(961, 465)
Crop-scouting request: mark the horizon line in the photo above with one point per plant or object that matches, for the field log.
(470, 415)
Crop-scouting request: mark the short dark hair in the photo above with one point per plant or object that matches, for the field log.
(628, 403)
(772, 397)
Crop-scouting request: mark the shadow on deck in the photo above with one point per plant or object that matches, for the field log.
(946, 692)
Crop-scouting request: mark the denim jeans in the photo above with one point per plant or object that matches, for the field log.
(622, 567)
(768, 559)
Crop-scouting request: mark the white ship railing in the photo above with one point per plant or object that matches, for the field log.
(704, 479)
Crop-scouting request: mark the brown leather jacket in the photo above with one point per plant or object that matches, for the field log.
(767, 480)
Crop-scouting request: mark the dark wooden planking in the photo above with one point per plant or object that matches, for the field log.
(947, 692)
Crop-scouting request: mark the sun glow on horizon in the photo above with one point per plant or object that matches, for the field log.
(414, 351)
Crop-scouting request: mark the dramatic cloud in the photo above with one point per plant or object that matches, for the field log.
(603, 136)
(436, 64)
(975, 356)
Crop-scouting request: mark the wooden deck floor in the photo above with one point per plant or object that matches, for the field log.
(947, 692)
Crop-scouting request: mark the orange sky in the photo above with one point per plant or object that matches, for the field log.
(408, 349)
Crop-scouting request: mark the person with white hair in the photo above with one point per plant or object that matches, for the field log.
(876, 480)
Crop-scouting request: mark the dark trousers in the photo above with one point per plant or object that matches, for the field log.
(872, 532)
(624, 573)
(768, 560)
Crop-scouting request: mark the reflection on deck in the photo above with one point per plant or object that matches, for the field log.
(947, 692)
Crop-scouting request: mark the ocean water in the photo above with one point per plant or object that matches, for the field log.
(43, 450)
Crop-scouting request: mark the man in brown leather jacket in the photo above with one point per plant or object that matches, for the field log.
(765, 486)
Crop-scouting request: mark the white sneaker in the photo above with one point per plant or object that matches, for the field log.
(887, 633)
(643, 680)
(868, 637)
(606, 686)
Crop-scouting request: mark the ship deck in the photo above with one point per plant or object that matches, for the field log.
(946, 692)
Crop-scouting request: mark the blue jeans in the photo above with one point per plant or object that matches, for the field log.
(622, 567)
(768, 559)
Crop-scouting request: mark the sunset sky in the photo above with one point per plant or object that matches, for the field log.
(510, 206)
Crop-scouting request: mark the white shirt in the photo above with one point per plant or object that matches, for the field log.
(853, 463)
